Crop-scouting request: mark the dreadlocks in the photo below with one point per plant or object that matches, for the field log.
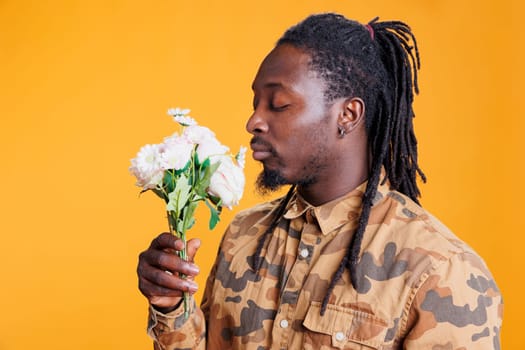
(378, 63)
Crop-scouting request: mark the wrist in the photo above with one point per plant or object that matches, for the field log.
(167, 309)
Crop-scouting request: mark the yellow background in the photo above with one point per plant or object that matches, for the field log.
(84, 84)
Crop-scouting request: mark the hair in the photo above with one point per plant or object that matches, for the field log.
(377, 62)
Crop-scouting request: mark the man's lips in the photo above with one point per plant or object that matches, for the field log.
(261, 149)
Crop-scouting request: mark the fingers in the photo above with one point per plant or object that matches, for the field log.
(163, 275)
(161, 297)
(165, 286)
(161, 288)
(160, 254)
(191, 248)
(155, 290)
(167, 241)
(166, 261)
(161, 280)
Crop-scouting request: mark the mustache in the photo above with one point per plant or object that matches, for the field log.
(259, 141)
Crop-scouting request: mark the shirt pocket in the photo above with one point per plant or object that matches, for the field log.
(342, 328)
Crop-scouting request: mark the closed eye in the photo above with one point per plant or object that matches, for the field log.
(279, 108)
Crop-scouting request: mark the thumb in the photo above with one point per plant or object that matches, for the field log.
(191, 248)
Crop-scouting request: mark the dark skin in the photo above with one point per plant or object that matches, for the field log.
(296, 133)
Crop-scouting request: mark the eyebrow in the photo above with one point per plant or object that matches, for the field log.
(269, 85)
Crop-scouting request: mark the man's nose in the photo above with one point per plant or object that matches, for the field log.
(256, 123)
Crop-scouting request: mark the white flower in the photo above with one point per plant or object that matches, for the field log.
(185, 121)
(208, 145)
(227, 182)
(181, 116)
(198, 134)
(212, 149)
(175, 152)
(146, 167)
(241, 157)
(178, 112)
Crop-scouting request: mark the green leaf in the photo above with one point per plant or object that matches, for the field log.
(172, 220)
(189, 210)
(204, 182)
(186, 219)
(215, 200)
(190, 223)
(214, 215)
(180, 195)
(201, 162)
(179, 228)
(169, 180)
(206, 163)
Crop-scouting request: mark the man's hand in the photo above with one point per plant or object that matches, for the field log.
(160, 269)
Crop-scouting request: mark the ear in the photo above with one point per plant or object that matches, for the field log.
(352, 114)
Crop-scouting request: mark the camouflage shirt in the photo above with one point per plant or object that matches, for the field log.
(419, 286)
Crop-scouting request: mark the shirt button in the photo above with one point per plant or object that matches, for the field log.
(304, 253)
(339, 336)
(284, 323)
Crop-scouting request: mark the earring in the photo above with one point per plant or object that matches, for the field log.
(342, 131)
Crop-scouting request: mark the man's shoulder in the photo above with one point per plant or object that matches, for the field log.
(260, 209)
(259, 214)
(412, 228)
(402, 237)
(449, 288)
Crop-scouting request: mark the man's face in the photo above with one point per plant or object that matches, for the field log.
(292, 126)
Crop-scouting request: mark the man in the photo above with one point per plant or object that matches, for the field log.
(347, 259)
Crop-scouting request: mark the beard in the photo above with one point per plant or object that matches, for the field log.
(270, 181)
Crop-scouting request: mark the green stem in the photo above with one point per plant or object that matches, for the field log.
(182, 253)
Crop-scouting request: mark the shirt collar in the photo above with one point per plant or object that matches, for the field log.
(337, 212)
(330, 215)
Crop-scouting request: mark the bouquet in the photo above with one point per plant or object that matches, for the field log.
(186, 169)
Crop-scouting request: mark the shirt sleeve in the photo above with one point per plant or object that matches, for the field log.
(173, 331)
(457, 306)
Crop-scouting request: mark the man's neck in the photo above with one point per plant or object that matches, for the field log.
(336, 186)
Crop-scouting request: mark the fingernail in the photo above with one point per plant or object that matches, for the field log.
(192, 287)
(194, 269)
